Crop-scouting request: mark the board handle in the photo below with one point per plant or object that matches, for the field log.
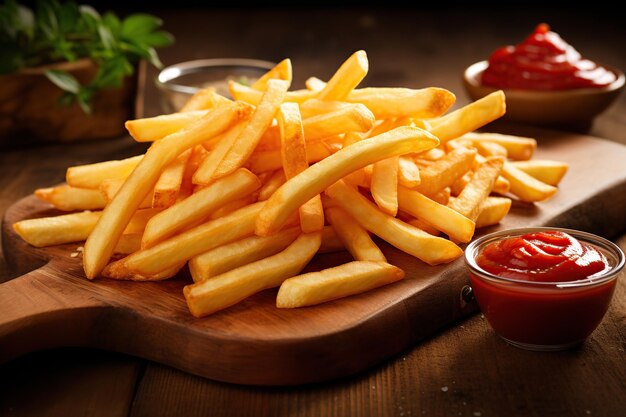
(42, 310)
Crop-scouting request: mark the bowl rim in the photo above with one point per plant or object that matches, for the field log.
(471, 252)
(472, 72)
(172, 72)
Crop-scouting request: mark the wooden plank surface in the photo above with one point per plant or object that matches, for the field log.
(425, 46)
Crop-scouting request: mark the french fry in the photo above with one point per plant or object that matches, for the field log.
(493, 210)
(550, 172)
(469, 118)
(354, 237)
(67, 198)
(384, 185)
(224, 290)
(330, 241)
(347, 77)
(502, 185)
(169, 183)
(232, 206)
(150, 129)
(110, 188)
(117, 270)
(245, 143)
(486, 148)
(199, 206)
(468, 203)
(333, 283)
(442, 218)
(408, 172)
(252, 96)
(314, 107)
(204, 99)
(315, 84)
(193, 242)
(445, 171)
(140, 219)
(198, 153)
(48, 231)
(239, 253)
(281, 71)
(128, 243)
(526, 187)
(318, 177)
(460, 183)
(294, 159)
(387, 103)
(425, 226)
(273, 183)
(270, 160)
(430, 249)
(206, 170)
(92, 175)
(115, 217)
(517, 147)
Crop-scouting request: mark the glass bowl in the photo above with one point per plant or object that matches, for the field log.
(179, 82)
(544, 316)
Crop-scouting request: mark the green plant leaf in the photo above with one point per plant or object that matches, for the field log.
(108, 41)
(26, 21)
(113, 23)
(64, 81)
(157, 39)
(47, 18)
(139, 24)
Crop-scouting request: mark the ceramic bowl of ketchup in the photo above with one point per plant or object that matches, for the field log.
(546, 81)
(543, 288)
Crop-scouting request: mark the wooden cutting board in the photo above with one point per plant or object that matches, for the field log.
(256, 343)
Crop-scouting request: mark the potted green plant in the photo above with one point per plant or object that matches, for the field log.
(69, 73)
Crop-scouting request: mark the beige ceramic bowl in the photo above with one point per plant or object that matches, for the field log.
(548, 108)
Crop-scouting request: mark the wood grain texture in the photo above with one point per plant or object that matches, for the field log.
(256, 343)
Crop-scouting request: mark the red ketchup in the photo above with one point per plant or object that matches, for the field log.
(544, 61)
(531, 305)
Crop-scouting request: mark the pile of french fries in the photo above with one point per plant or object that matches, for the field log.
(247, 192)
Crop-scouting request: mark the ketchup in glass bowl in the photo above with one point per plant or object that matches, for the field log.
(546, 80)
(543, 288)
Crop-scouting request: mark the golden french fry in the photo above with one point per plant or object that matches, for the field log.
(241, 252)
(217, 293)
(468, 203)
(445, 171)
(150, 129)
(550, 172)
(48, 231)
(233, 206)
(270, 160)
(92, 175)
(517, 147)
(384, 185)
(442, 218)
(314, 107)
(110, 188)
(67, 198)
(461, 182)
(169, 183)
(245, 143)
(204, 99)
(206, 169)
(193, 242)
(199, 206)
(253, 96)
(526, 187)
(408, 172)
(493, 210)
(430, 249)
(425, 226)
(117, 270)
(347, 77)
(486, 148)
(273, 183)
(318, 177)
(388, 103)
(315, 84)
(294, 158)
(115, 217)
(281, 71)
(128, 243)
(470, 117)
(330, 241)
(502, 185)
(338, 282)
(353, 236)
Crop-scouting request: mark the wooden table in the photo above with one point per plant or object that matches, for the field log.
(465, 370)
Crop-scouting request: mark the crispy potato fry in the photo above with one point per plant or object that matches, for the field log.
(470, 117)
(526, 187)
(150, 129)
(206, 98)
(388, 103)
(502, 185)
(460, 183)
(408, 172)
(442, 218)
(550, 172)
(318, 177)
(102, 240)
(128, 243)
(493, 210)
(315, 84)
(273, 183)
(198, 153)
(48, 231)
(252, 96)
(315, 107)
(169, 183)
(354, 237)
(445, 171)
(92, 175)
(239, 253)
(193, 242)
(140, 219)
(468, 203)
(517, 147)
(67, 198)
(244, 145)
(486, 148)
(281, 71)
(347, 77)
(117, 270)
(430, 249)
(224, 290)
(384, 185)
(338, 282)
(110, 188)
(199, 206)
(206, 170)
(294, 159)
(425, 226)
(270, 160)
(233, 206)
